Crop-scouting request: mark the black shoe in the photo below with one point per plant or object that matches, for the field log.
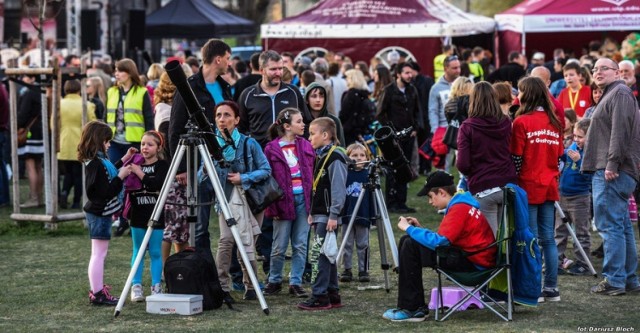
(346, 276)
(124, 225)
(604, 288)
(75, 205)
(102, 297)
(62, 200)
(334, 299)
(297, 291)
(226, 297)
(315, 303)
(363, 277)
(598, 253)
(250, 295)
(272, 289)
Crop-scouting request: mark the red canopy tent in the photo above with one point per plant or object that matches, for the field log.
(542, 25)
(361, 28)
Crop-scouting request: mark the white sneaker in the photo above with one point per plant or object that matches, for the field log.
(136, 293)
(156, 289)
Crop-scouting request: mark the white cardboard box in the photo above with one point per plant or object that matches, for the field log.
(174, 304)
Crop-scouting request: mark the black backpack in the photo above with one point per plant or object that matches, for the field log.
(192, 271)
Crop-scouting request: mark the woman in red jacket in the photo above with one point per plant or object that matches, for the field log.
(536, 146)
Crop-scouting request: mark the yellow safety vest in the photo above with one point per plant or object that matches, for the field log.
(133, 116)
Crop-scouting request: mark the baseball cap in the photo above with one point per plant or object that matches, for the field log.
(538, 56)
(436, 179)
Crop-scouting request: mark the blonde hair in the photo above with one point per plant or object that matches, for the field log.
(154, 71)
(98, 88)
(355, 79)
(357, 146)
(460, 87)
(165, 91)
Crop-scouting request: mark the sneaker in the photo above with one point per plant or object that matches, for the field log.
(346, 276)
(315, 303)
(549, 295)
(579, 270)
(122, 227)
(363, 277)
(102, 297)
(566, 263)
(297, 291)
(250, 295)
(30, 203)
(605, 288)
(633, 290)
(399, 315)
(226, 297)
(335, 299)
(561, 271)
(272, 289)
(156, 289)
(136, 293)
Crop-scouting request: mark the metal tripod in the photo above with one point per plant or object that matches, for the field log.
(380, 214)
(576, 242)
(194, 145)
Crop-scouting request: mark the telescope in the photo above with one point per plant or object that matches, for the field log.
(387, 140)
(195, 110)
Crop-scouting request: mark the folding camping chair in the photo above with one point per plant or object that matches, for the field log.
(475, 284)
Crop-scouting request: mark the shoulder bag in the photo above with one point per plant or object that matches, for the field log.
(261, 194)
(23, 133)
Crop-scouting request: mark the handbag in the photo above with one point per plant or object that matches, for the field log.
(451, 134)
(263, 193)
(23, 133)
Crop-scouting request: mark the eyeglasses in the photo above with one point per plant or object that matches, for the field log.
(602, 68)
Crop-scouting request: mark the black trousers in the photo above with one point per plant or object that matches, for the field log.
(413, 257)
(395, 191)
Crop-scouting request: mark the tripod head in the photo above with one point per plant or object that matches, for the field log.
(195, 110)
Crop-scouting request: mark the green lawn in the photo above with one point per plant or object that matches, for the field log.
(43, 287)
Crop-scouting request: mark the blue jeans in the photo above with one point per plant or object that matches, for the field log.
(205, 194)
(611, 212)
(542, 224)
(99, 226)
(296, 230)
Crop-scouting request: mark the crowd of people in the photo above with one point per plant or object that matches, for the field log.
(561, 130)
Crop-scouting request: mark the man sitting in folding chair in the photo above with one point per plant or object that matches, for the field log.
(463, 226)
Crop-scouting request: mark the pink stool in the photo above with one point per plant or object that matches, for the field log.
(451, 296)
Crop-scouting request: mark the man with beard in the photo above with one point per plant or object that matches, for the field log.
(628, 75)
(259, 108)
(399, 107)
(210, 89)
(261, 103)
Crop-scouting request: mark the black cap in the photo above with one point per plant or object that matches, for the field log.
(436, 179)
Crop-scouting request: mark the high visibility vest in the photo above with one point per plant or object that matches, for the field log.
(133, 117)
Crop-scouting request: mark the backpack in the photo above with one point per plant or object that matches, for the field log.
(194, 272)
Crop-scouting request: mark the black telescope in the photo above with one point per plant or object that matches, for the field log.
(195, 110)
(387, 140)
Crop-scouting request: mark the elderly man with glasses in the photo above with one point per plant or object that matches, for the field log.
(615, 128)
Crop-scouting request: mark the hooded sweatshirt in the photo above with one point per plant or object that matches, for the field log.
(483, 153)
(324, 112)
(463, 226)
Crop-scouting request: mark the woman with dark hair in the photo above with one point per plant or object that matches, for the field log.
(536, 148)
(483, 151)
(382, 78)
(245, 164)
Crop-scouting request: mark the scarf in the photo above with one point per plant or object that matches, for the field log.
(112, 172)
(228, 152)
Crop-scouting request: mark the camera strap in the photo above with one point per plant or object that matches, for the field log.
(326, 158)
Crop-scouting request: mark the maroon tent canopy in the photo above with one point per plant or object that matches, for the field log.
(542, 25)
(362, 28)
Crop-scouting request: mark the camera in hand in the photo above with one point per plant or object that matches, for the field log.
(387, 140)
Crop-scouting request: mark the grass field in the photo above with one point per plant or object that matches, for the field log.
(43, 288)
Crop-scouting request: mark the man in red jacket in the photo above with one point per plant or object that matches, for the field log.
(463, 226)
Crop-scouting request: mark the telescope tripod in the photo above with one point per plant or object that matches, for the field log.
(194, 145)
(380, 214)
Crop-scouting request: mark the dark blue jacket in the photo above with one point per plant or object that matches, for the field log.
(572, 182)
